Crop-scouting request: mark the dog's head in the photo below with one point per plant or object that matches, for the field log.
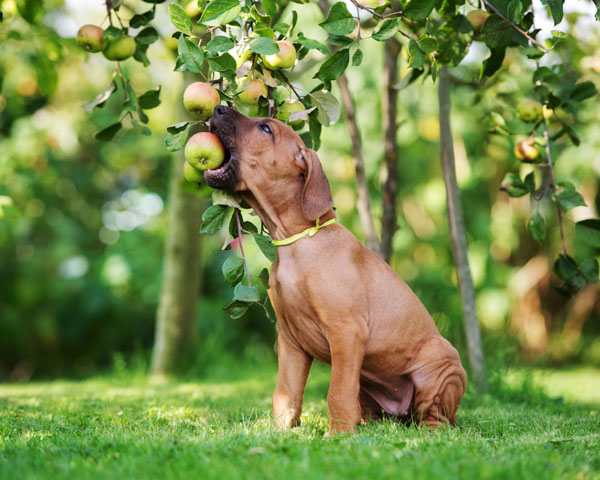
(264, 155)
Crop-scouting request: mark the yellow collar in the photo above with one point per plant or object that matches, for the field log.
(308, 232)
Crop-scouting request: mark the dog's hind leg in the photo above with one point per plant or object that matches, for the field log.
(440, 382)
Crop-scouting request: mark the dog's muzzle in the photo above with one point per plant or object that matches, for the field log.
(222, 124)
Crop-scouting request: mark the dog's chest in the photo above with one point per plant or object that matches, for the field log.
(296, 314)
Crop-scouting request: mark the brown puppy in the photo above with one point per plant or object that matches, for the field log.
(335, 300)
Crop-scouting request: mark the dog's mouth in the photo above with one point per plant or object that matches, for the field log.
(225, 177)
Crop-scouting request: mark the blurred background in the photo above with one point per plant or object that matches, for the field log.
(83, 223)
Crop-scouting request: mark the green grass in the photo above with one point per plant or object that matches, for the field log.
(220, 427)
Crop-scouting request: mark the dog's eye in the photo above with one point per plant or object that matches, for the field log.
(265, 128)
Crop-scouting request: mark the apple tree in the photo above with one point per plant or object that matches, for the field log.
(246, 51)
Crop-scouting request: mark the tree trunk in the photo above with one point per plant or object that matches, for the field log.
(458, 235)
(364, 203)
(176, 317)
(390, 154)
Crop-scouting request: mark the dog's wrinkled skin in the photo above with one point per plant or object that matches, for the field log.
(335, 300)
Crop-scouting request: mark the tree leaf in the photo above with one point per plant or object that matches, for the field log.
(236, 309)
(328, 108)
(357, 57)
(418, 9)
(310, 44)
(223, 63)
(147, 36)
(314, 130)
(496, 32)
(493, 63)
(409, 78)
(583, 91)
(107, 133)
(150, 99)
(565, 267)
(589, 269)
(339, 40)
(178, 127)
(428, 44)
(264, 46)
(180, 19)
(334, 66)
(386, 29)
(537, 227)
(141, 19)
(416, 55)
(556, 9)
(266, 246)
(339, 21)
(191, 54)
(514, 11)
(233, 270)
(220, 12)
(280, 93)
(246, 294)
(102, 97)
(221, 197)
(270, 7)
(219, 44)
(175, 140)
(264, 277)
(213, 219)
(588, 231)
(513, 185)
(568, 199)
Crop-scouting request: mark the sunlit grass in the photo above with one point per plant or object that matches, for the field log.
(580, 385)
(221, 427)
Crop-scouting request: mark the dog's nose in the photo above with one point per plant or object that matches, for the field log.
(221, 110)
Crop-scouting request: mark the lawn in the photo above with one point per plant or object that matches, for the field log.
(220, 427)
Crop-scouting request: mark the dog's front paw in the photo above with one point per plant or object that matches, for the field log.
(338, 426)
(287, 419)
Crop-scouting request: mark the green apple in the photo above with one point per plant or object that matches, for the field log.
(530, 111)
(204, 151)
(192, 9)
(191, 174)
(89, 37)
(285, 58)
(200, 99)
(242, 57)
(287, 107)
(253, 89)
(116, 45)
(526, 152)
(477, 18)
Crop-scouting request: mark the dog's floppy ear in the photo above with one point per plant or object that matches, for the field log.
(316, 196)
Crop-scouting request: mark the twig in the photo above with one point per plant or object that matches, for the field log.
(108, 10)
(208, 32)
(119, 19)
(367, 9)
(237, 217)
(292, 87)
(358, 24)
(364, 204)
(553, 185)
(521, 31)
(381, 17)
(122, 77)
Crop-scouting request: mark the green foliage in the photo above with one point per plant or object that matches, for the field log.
(54, 324)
